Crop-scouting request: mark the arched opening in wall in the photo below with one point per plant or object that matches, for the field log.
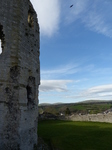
(30, 18)
(1, 39)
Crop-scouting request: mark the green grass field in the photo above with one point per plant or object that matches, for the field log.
(68, 135)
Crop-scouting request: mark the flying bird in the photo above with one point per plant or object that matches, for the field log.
(71, 6)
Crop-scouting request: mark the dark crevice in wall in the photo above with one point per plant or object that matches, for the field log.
(31, 92)
(14, 74)
(2, 39)
(0, 47)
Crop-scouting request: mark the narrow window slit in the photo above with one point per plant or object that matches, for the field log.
(2, 37)
(30, 18)
(0, 47)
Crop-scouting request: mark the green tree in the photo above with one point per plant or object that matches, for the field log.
(67, 111)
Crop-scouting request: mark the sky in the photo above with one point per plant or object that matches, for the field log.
(75, 50)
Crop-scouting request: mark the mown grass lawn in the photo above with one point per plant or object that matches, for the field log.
(68, 135)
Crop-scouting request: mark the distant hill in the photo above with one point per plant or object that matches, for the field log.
(84, 107)
(86, 101)
(96, 101)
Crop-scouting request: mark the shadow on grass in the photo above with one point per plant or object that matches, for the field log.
(68, 135)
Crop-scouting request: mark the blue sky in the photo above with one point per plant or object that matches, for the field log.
(75, 50)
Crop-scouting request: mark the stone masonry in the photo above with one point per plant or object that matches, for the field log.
(19, 75)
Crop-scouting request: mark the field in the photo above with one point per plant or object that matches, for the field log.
(68, 135)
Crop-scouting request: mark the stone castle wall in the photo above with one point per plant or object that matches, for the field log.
(19, 75)
(92, 117)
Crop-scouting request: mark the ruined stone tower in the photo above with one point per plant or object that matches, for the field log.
(19, 75)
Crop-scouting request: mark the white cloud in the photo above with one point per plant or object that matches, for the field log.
(66, 70)
(48, 13)
(102, 92)
(99, 90)
(72, 91)
(60, 71)
(97, 22)
(96, 15)
(79, 7)
(77, 90)
(54, 85)
(98, 18)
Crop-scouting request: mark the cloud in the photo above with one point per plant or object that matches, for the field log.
(77, 90)
(63, 91)
(54, 85)
(102, 71)
(67, 70)
(95, 15)
(60, 71)
(97, 22)
(102, 92)
(99, 89)
(48, 13)
(79, 7)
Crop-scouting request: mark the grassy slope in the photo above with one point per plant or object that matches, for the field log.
(66, 135)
